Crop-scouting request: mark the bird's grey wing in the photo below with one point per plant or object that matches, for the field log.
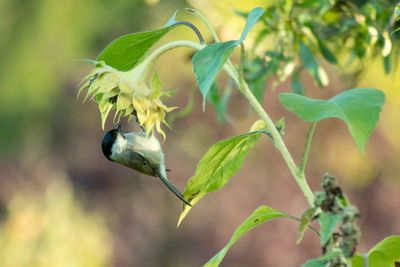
(137, 162)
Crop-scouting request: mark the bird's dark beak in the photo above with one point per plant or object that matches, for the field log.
(118, 128)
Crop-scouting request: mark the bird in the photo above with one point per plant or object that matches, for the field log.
(139, 152)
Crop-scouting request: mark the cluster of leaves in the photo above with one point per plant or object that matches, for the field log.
(296, 34)
(304, 30)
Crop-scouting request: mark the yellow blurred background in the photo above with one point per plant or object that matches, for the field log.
(62, 203)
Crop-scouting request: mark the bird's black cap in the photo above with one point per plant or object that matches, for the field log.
(108, 141)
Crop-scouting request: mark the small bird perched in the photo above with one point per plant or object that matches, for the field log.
(138, 152)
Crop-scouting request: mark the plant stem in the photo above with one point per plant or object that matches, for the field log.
(277, 138)
(244, 88)
(206, 23)
(148, 62)
(212, 32)
(307, 148)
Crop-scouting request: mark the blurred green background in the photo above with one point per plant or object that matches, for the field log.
(63, 204)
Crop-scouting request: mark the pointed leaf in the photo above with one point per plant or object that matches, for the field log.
(312, 65)
(219, 164)
(260, 215)
(328, 224)
(219, 102)
(359, 108)
(305, 220)
(385, 253)
(297, 86)
(209, 61)
(156, 85)
(126, 52)
(252, 18)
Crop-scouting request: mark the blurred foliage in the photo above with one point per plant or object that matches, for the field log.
(52, 229)
(312, 36)
(40, 41)
(297, 33)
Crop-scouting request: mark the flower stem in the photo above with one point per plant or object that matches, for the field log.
(149, 61)
(206, 23)
(307, 148)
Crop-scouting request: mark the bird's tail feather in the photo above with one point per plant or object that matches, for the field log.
(173, 189)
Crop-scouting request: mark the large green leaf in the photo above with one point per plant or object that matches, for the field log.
(219, 164)
(127, 51)
(359, 108)
(208, 61)
(260, 215)
(385, 253)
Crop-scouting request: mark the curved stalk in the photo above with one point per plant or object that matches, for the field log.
(206, 23)
(148, 62)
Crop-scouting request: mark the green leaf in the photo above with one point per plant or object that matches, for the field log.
(358, 108)
(385, 253)
(312, 65)
(325, 51)
(254, 15)
(328, 55)
(379, 259)
(127, 51)
(322, 261)
(156, 85)
(358, 261)
(219, 164)
(219, 102)
(328, 224)
(208, 61)
(257, 87)
(260, 215)
(297, 86)
(305, 220)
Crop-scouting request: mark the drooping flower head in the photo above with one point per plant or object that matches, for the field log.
(127, 93)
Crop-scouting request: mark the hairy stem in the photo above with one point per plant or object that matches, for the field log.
(244, 88)
(307, 148)
(277, 138)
